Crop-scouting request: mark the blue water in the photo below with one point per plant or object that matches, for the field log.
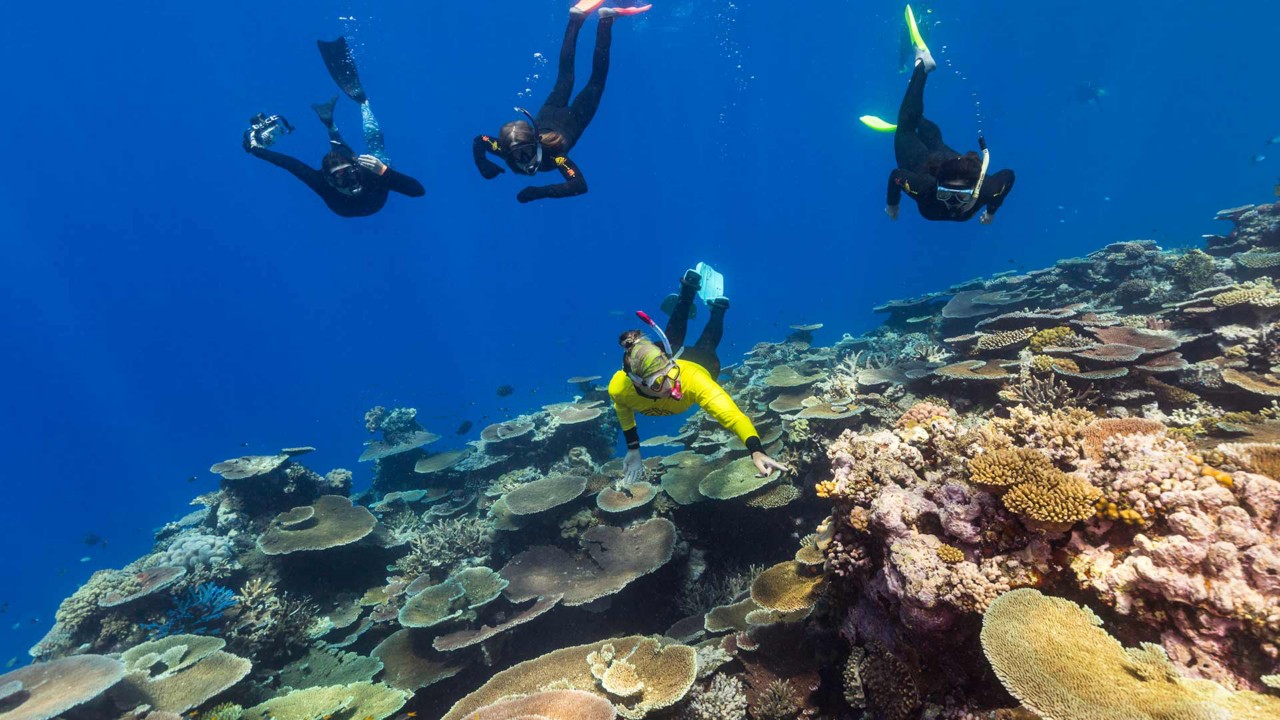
(168, 301)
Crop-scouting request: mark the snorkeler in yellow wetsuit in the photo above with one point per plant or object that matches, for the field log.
(657, 380)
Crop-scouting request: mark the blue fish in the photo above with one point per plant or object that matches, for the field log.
(1259, 158)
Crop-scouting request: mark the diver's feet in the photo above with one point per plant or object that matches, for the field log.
(720, 303)
(925, 61)
(324, 111)
(584, 7)
(692, 280)
(606, 13)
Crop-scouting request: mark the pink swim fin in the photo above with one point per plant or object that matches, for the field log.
(626, 10)
(586, 6)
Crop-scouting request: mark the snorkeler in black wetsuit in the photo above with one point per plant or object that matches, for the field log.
(351, 185)
(543, 143)
(945, 184)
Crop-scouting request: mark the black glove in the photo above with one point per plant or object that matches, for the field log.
(489, 169)
(530, 194)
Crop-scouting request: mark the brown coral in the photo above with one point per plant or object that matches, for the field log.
(1004, 339)
(331, 521)
(1006, 468)
(787, 587)
(1060, 336)
(1055, 499)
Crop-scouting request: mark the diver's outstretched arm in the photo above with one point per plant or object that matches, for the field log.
(573, 184)
(296, 167)
(994, 191)
(904, 181)
(403, 184)
(480, 147)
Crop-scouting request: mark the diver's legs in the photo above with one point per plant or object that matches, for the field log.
(374, 142)
(907, 146)
(678, 323)
(704, 351)
(560, 92)
(324, 111)
(588, 101)
(930, 134)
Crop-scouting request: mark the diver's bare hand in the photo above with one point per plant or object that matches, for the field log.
(369, 162)
(891, 211)
(766, 465)
(986, 218)
(632, 467)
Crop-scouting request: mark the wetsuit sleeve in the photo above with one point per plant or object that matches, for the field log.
(296, 167)
(573, 184)
(480, 147)
(717, 403)
(904, 180)
(999, 184)
(403, 184)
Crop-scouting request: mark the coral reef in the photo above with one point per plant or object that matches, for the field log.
(1105, 429)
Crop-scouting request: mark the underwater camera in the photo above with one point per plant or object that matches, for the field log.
(267, 129)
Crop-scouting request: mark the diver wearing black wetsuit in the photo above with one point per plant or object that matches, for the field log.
(351, 190)
(925, 162)
(545, 145)
(351, 185)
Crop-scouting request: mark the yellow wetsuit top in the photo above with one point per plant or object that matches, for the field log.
(699, 387)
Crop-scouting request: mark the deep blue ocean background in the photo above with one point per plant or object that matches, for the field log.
(167, 301)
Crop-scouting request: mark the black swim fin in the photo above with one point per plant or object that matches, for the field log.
(342, 67)
(324, 111)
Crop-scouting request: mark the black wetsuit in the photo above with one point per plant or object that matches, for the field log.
(558, 115)
(919, 150)
(702, 352)
(369, 201)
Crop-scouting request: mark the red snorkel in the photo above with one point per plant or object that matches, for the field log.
(677, 392)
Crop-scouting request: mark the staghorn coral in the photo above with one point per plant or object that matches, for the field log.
(724, 698)
(447, 543)
(1046, 393)
(778, 701)
(1058, 433)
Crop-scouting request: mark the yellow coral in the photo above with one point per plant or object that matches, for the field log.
(1052, 656)
(826, 488)
(1243, 296)
(1005, 468)
(950, 554)
(787, 587)
(1055, 497)
(1051, 337)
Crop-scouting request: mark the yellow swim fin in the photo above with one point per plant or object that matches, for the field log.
(916, 40)
(877, 124)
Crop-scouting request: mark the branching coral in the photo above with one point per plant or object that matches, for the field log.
(445, 544)
(723, 699)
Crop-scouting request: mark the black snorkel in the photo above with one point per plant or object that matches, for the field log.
(532, 166)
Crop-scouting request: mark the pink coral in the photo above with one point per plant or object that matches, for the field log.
(1213, 569)
(861, 463)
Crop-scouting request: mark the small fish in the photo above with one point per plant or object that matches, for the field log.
(1274, 141)
(505, 390)
(191, 479)
(244, 444)
(12, 661)
(465, 427)
(85, 559)
(16, 626)
(1259, 158)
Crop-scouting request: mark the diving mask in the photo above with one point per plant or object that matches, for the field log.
(346, 178)
(527, 157)
(963, 199)
(664, 381)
